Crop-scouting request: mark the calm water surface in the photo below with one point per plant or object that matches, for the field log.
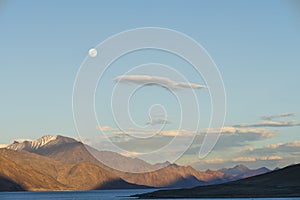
(89, 195)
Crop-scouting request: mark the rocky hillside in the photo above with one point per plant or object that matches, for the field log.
(33, 172)
(60, 163)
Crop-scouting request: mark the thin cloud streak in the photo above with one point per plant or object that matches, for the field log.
(214, 161)
(271, 158)
(270, 117)
(271, 124)
(254, 159)
(244, 159)
(106, 128)
(265, 133)
(158, 121)
(159, 81)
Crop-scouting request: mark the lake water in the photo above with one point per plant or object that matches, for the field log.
(89, 195)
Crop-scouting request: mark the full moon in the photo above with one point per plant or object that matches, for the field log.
(93, 52)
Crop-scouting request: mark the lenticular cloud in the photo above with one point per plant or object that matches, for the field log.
(159, 81)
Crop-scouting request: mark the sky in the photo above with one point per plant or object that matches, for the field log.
(254, 44)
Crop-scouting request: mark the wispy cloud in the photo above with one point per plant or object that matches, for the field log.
(271, 124)
(167, 133)
(271, 161)
(253, 159)
(287, 149)
(217, 163)
(106, 128)
(293, 144)
(181, 132)
(158, 121)
(214, 161)
(271, 146)
(116, 132)
(270, 117)
(244, 159)
(257, 132)
(271, 158)
(159, 81)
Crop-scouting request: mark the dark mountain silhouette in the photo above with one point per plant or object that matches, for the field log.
(280, 183)
(7, 185)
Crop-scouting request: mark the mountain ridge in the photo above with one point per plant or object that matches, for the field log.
(68, 151)
(241, 171)
(280, 183)
(38, 173)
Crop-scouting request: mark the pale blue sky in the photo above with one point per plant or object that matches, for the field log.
(255, 44)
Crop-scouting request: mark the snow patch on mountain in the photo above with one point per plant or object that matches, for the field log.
(31, 144)
(3, 146)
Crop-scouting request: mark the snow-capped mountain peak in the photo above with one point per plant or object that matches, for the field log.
(31, 144)
(42, 141)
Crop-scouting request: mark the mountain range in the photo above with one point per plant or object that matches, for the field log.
(278, 183)
(63, 163)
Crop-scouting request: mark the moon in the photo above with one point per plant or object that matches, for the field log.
(93, 52)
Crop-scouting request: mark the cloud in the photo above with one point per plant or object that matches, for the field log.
(159, 81)
(106, 128)
(244, 159)
(231, 139)
(181, 132)
(167, 133)
(271, 124)
(268, 122)
(293, 144)
(158, 121)
(258, 132)
(285, 146)
(250, 161)
(131, 154)
(270, 158)
(270, 117)
(287, 149)
(271, 146)
(215, 161)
